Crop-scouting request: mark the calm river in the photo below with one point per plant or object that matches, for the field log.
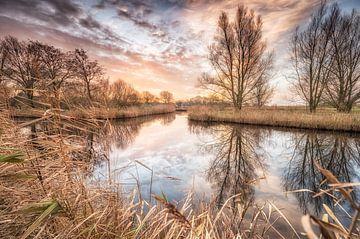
(170, 154)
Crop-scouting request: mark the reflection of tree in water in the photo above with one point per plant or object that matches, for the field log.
(237, 161)
(121, 133)
(93, 141)
(339, 154)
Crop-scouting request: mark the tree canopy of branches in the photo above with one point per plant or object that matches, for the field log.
(58, 67)
(123, 94)
(326, 59)
(166, 97)
(343, 84)
(239, 59)
(147, 97)
(22, 65)
(39, 74)
(88, 71)
(310, 58)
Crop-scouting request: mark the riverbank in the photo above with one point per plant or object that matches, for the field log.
(51, 187)
(48, 191)
(99, 113)
(323, 120)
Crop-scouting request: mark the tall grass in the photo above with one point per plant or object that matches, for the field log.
(99, 112)
(324, 120)
(46, 192)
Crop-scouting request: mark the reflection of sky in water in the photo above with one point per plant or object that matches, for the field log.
(181, 164)
(172, 152)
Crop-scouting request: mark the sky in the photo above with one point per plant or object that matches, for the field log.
(155, 45)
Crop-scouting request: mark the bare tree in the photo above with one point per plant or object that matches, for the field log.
(22, 66)
(148, 97)
(311, 58)
(343, 86)
(263, 91)
(123, 94)
(238, 57)
(58, 67)
(87, 71)
(166, 97)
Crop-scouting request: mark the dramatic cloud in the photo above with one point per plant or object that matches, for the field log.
(153, 44)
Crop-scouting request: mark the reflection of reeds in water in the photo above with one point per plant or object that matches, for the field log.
(45, 193)
(339, 154)
(330, 225)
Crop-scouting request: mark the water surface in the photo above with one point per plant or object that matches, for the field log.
(170, 154)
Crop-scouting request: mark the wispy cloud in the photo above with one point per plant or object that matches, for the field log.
(153, 44)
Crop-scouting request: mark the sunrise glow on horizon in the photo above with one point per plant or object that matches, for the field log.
(154, 45)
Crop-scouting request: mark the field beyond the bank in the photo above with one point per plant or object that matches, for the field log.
(294, 117)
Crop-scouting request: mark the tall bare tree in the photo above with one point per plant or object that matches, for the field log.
(343, 85)
(311, 58)
(238, 57)
(88, 71)
(22, 66)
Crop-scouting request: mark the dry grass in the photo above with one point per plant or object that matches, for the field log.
(323, 120)
(330, 226)
(100, 113)
(46, 192)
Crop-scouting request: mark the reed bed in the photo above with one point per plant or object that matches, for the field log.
(46, 191)
(323, 120)
(121, 113)
(100, 112)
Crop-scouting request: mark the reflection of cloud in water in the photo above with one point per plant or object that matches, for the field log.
(170, 151)
(218, 161)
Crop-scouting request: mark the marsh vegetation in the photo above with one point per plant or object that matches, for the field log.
(83, 157)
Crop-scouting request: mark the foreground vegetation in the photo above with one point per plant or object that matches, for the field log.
(47, 191)
(280, 117)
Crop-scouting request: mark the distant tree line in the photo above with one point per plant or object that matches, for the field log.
(33, 73)
(325, 58)
(210, 100)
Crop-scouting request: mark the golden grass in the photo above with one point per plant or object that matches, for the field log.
(323, 120)
(100, 112)
(121, 113)
(46, 192)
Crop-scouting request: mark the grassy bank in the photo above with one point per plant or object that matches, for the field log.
(323, 120)
(46, 191)
(99, 113)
